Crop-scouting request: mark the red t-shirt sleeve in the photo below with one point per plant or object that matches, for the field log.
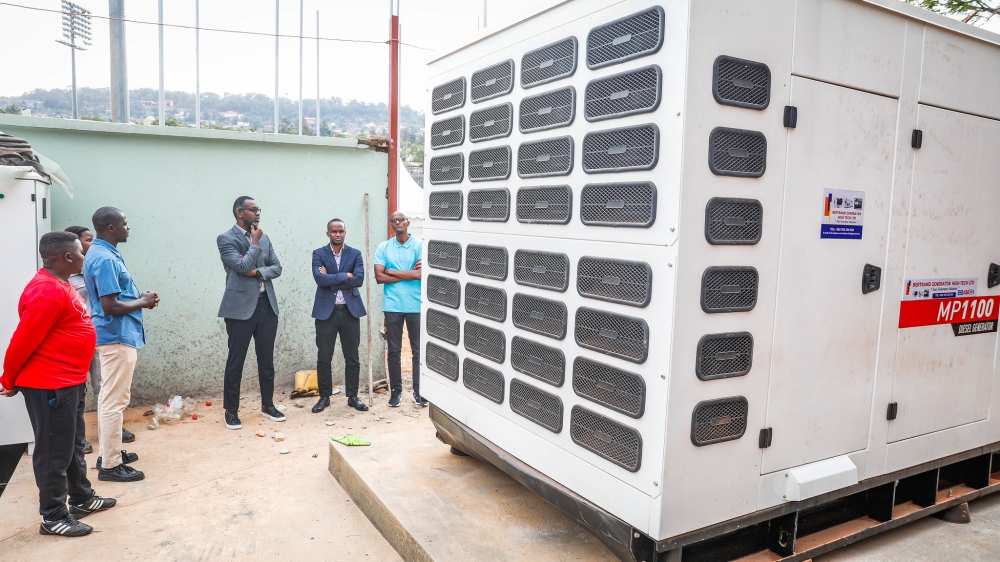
(39, 310)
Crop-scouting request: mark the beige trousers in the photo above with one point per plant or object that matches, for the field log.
(117, 365)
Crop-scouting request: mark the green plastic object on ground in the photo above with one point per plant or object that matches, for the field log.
(352, 441)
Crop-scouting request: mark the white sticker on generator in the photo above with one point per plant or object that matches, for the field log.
(843, 214)
(943, 288)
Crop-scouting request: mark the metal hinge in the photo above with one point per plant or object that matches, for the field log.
(791, 116)
(993, 276)
(917, 138)
(890, 412)
(32, 196)
(764, 441)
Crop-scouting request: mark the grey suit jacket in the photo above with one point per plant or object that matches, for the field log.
(239, 258)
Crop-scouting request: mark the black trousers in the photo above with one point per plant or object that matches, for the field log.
(394, 338)
(262, 327)
(341, 323)
(60, 469)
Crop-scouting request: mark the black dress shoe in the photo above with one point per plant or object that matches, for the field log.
(324, 403)
(120, 473)
(127, 458)
(127, 436)
(358, 405)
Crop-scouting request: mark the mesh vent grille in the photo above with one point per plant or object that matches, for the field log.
(538, 315)
(621, 281)
(606, 438)
(549, 63)
(447, 169)
(549, 157)
(442, 361)
(733, 221)
(489, 205)
(545, 270)
(724, 355)
(715, 421)
(621, 150)
(448, 96)
(488, 302)
(545, 363)
(448, 132)
(544, 205)
(742, 83)
(445, 205)
(735, 152)
(444, 291)
(491, 122)
(444, 255)
(729, 289)
(618, 204)
(492, 81)
(630, 37)
(538, 406)
(609, 386)
(617, 335)
(442, 326)
(482, 380)
(485, 341)
(547, 111)
(486, 261)
(628, 93)
(489, 164)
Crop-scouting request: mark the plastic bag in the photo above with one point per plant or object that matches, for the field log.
(177, 409)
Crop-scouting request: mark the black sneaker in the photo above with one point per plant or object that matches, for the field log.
(66, 527)
(394, 399)
(418, 400)
(272, 413)
(87, 447)
(120, 473)
(93, 505)
(127, 436)
(233, 421)
(127, 458)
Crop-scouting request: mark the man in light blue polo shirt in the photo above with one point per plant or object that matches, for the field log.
(397, 268)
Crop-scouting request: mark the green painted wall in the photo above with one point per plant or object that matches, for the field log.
(177, 189)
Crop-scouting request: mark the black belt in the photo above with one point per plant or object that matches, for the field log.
(340, 306)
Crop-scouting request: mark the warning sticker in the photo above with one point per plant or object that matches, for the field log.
(943, 288)
(843, 214)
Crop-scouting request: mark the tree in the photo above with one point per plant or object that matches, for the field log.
(12, 109)
(976, 12)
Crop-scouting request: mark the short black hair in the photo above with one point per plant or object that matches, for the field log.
(240, 201)
(106, 216)
(331, 221)
(78, 230)
(54, 244)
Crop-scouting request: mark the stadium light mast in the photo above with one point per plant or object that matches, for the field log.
(75, 26)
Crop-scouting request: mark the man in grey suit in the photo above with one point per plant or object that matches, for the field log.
(249, 307)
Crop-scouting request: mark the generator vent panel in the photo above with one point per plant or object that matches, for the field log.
(617, 335)
(485, 341)
(606, 438)
(729, 289)
(551, 62)
(483, 380)
(489, 205)
(611, 387)
(447, 169)
(612, 280)
(487, 302)
(618, 204)
(547, 111)
(489, 164)
(722, 356)
(715, 421)
(730, 220)
(493, 81)
(549, 157)
(445, 205)
(545, 270)
(545, 205)
(491, 122)
(741, 83)
(444, 255)
(541, 316)
(448, 96)
(542, 362)
(442, 326)
(448, 132)
(621, 150)
(736, 152)
(442, 361)
(633, 36)
(486, 261)
(537, 405)
(628, 93)
(444, 291)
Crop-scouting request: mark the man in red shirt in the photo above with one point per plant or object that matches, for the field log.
(47, 361)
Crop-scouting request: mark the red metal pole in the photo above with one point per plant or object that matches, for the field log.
(393, 109)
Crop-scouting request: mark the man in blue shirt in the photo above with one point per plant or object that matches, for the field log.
(397, 267)
(116, 308)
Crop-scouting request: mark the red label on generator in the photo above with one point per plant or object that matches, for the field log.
(932, 312)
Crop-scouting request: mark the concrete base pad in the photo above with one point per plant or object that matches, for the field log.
(432, 505)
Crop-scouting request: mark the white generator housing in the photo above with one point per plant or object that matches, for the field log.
(688, 258)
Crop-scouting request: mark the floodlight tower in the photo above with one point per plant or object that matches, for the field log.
(75, 25)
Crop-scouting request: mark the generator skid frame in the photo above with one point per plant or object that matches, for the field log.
(719, 278)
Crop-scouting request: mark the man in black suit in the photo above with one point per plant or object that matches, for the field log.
(339, 271)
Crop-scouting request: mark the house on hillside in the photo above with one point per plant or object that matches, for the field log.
(232, 114)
